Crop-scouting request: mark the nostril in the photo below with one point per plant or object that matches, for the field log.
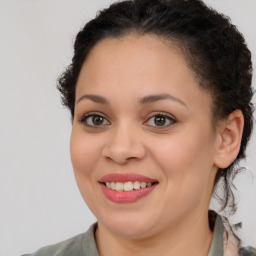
(123, 147)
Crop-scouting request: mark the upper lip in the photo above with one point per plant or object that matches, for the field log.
(125, 177)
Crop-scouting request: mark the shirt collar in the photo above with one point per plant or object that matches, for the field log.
(217, 241)
(89, 244)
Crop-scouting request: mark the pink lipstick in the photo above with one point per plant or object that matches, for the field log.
(126, 187)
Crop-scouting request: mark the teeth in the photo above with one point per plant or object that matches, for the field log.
(113, 185)
(136, 185)
(143, 184)
(119, 186)
(127, 186)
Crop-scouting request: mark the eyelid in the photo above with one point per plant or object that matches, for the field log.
(168, 116)
(84, 117)
(163, 114)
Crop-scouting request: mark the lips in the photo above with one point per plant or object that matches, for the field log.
(125, 177)
(126, 188)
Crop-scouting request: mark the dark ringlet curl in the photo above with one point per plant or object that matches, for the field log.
(214, 49)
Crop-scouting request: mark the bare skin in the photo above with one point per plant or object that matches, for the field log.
(183, 152)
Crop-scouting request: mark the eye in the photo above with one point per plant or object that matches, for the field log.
(160, 120)
(94, 120)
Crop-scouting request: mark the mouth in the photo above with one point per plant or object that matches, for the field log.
(126, 188)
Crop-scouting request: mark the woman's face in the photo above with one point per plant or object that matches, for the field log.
(140, 117)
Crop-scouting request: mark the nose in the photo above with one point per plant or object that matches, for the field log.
(124, 144)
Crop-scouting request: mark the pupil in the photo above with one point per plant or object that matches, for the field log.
(97, 120)
(160, 120)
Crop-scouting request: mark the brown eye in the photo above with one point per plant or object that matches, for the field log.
(97, 120)
(160, 120)
(93, 120)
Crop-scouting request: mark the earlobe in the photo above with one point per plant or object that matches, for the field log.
(229, 135)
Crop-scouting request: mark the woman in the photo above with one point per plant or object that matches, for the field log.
(160, 97)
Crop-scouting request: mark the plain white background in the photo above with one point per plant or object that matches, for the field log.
(39, 201)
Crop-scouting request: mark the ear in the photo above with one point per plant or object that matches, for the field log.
(229, 136)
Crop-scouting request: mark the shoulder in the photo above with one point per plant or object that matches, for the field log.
(247, 251)
(70, 246)
(80, 245)
(232, 245)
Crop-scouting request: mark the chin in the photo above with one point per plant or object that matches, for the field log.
(128, 226)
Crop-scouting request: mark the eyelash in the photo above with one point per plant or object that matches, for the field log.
(84, 119)
(165, 116)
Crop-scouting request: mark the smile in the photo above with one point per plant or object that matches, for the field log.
(126, 188)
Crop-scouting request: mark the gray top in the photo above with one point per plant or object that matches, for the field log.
(80, 245)
(217, 240)
(85, 245)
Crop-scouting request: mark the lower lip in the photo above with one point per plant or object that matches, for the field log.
(126, 196)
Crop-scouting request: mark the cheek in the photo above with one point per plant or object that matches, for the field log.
(84, 152)
(186, 160)
(182, 154)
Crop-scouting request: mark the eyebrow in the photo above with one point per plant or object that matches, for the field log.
(156, 97)
(95, 98)
(145, 100)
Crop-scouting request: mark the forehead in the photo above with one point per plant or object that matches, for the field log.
(140, 64)
(136, 50)
(134, 55)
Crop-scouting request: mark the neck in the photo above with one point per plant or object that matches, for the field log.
(194, 233)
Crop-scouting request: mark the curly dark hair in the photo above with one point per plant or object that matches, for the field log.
(214, 49)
